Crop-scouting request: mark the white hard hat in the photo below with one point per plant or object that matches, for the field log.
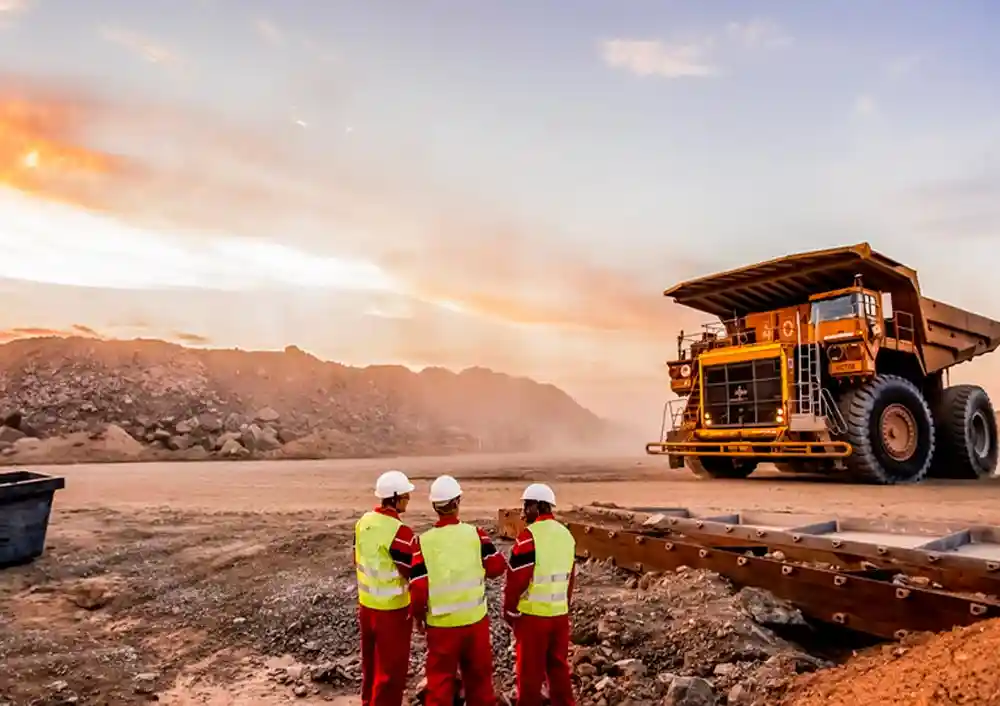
(391, 484)
(539, 492)
(445, 488)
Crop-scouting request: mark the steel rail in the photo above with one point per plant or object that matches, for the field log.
(933, 557)
(856, 595)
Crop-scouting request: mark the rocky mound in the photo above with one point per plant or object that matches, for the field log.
(234, 403)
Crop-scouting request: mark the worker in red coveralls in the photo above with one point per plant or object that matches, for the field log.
(383, 554)
(451, 563)
(536, 601)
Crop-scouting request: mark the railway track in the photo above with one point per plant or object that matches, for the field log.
(881, 577)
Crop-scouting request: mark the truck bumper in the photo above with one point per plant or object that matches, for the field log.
(756, 449)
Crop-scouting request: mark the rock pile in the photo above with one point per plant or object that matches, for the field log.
(678, 639)
(235, 404)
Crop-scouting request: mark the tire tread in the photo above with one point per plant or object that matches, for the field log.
(955, 456)
(862, 464)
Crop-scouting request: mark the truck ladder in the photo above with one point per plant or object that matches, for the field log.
(815, 407)
(808, 385)
(690, 416)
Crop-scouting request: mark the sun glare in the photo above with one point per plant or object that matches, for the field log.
(57, 244)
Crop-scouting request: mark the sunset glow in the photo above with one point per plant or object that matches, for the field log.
(259, 182)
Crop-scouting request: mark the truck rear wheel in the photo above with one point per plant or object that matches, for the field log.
(890, 427)
(721, 466)
(967, 434)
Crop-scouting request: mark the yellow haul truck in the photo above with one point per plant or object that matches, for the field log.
(828, 362)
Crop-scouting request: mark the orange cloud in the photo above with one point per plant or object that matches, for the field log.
(77, 330)
(232, 180)
(191, 338)
(42, 150)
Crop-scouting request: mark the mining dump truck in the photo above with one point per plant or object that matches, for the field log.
(827, 362)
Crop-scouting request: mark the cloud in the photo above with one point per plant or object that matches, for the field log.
(270, 32)
(144, 47)
(17, 333)
(693, 58)
(192, 339)
(114, 255)
(211, 213)
(758, 34)
(865, 106)
(80, 329)
(654, 58)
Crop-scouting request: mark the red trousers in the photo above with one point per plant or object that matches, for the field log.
(542, 653)
(385, 655)
(466, 649)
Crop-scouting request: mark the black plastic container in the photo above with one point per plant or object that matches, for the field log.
(25, 506)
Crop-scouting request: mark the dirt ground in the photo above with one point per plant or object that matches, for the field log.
(213, 583)
(493, 481)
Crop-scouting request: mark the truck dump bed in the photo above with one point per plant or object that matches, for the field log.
(947, 334)
(955, 335)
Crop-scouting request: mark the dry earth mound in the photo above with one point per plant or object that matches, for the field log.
(232, 403)
(958, 667)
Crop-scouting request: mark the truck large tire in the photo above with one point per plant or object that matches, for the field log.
(967, 434)
(890, 426)
(721, 466)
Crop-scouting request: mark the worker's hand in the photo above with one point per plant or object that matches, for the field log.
(420, 625)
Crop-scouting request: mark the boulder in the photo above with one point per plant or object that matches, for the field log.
(267, 415)
(9, 435)
(179, 443)
(689, 691)
(209, 422)
(233, 448)
(767, 609)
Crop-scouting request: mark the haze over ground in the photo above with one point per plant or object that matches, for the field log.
(480, 183)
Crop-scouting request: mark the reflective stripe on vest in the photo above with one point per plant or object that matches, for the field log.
(548, 592)
(380, 585)
(456, 579)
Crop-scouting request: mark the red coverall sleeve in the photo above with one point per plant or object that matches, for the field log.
(519, 571)
(401, 550)
(418, 583)
(494, 562)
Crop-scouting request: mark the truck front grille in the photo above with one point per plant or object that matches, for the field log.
(743, 394)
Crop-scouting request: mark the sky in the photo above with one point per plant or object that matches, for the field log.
(507, 183)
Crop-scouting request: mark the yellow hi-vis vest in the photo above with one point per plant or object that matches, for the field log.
(555, 548)
(456, 579)
(380, 585)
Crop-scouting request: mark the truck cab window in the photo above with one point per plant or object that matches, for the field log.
(847, 306)
(871, 308)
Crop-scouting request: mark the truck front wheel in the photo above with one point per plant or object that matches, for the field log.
(721, 466)
(889, 424)
(967, 432)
